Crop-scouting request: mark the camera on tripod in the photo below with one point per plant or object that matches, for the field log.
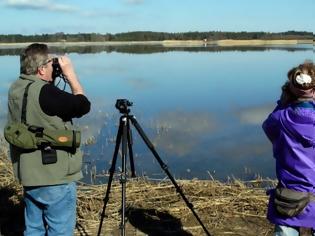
(122, 105)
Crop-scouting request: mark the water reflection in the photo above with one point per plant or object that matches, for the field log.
(254, 115)
(193, 145)
(147, 49)
(201, 107)
(178, 133)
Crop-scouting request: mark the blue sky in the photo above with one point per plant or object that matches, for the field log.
(114, 16)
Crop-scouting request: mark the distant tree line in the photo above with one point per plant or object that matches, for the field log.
(151, 36)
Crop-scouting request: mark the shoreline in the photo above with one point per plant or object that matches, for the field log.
(168, 43)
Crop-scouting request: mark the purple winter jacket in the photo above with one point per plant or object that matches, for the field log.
(291, 130)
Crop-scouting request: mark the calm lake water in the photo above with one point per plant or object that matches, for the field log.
(201, 107)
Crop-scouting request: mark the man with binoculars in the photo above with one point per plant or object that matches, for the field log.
(45, 152)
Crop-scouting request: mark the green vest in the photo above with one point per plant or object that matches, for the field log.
(27, 165)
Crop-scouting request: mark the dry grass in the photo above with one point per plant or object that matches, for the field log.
(223, 208)
(153, 208)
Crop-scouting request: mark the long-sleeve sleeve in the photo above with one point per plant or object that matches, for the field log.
(56, 102)
(271, 125)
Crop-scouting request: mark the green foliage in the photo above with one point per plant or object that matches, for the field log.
(151, 36)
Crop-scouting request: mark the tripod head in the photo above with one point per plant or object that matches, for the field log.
(122, 105)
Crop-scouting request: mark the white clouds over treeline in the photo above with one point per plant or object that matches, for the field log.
(39, 5)
(51, 5)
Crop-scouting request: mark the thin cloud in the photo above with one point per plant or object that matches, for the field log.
(103, 13)
(134, 2)
(47, 5)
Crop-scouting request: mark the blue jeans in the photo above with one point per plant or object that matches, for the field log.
(50, 210)
(281, 230)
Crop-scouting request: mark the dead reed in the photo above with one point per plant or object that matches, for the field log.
(223, 207)
(235, 208)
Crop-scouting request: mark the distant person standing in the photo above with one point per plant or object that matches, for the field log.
(47, 174)
(291, 130)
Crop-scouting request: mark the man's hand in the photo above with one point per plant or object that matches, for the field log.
(68, 71)
(66, 66)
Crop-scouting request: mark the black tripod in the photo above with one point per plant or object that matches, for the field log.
(124, 137)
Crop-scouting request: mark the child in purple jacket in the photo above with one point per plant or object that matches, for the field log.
(291, 130)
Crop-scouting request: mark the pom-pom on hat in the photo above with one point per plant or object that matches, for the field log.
(303, 79)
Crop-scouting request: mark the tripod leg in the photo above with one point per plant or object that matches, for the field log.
(130, 143)
(123, 176)
(111, 174)
(165, 168)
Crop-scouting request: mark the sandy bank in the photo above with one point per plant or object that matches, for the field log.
(231, 42)
(256, 42)
(167, 43)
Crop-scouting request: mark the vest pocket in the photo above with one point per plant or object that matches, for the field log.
(75, 162)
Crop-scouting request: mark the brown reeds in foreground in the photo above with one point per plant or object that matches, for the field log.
(225, 209)
(154, 208)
